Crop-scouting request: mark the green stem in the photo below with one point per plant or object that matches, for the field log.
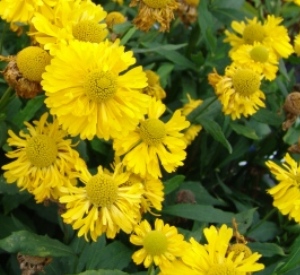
(266, 217)
(5, 98)
(151, 270)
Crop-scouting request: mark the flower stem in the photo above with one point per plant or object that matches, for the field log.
(5, 98)
(151, 270)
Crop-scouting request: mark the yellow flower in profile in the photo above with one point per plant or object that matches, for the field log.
(152, 11)
(67, 21)
(297, 44)
(154, 89)
(114, 18)
(286, 194)
(258, 57)
(239, 91)
(154, 143)
(105, 204)
(270, 34)
(90, 94)
(192, 132)
(213, 257)
(43, 159)
(22, 11)
(159, 245)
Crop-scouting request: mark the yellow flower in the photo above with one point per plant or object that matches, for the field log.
(260, 58)
(86, 90)
(154, 143)
(114, 18)
(286, 194)
(239, 91)
(161, 244)
(103, 205)
(154, 89)
(269, 34)
(192, 132)
(153, 192)
(22, 11)
(297, 44)
(43, 159)
(67, 21)
(213, 257)
(152, 11)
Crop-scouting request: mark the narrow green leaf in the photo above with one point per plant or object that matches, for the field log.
(266, 249)
(201, 213)
(215, 131)
(128, 35)
(32, 244)
(243, 130)
(153, 47)
(102, 272)
(173, 183)
(265, 232)
(268, 117)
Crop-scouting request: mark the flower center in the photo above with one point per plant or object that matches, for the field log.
(155, 243)
(156, 4)
(32, 61)
(246, 82)
(100, 86)
(89, 31)
(101, 190)
(221, 269)
(41, 151)
(259, 54)
(253, 32)
(114, 18)
(152, 131)
(192, 2)
(239, 248)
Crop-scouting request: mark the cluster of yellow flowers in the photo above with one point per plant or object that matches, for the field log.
(93, 90)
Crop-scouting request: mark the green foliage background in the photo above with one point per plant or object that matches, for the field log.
(225, 164)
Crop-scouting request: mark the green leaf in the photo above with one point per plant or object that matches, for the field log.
(151, 47)
(128, 35)
(244, 219)
(173, 184)
(266, 249)
(265, 232)
(28, 112)
(268, 117)
(243, 130)
(201, 213)
(215, 131)
(35, 245)
(102, 272)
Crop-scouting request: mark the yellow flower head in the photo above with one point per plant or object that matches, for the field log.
(239, 91)
(154, 143)
(286, 194)
(87, 89)
(22, 11)
(104, 205)
(154, 89)
(297, 44)
(67, 21)
(258, 57)
(192, 132)
(43, 161)
(114, 18)
(270, 34)
(213, 257)
(152, 11)
(159, 245)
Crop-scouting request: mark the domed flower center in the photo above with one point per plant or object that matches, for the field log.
(221, 269)
(156, 4)
(246, 82)
(89, 31)
(114, 18)
(155, 243)
(32, 61)
(152, 131)
(192, 2)
(252, 33)
(152, 78)
(100, 86)
(41, 151)
(259, 54)
(238, 248)
(101, 190)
